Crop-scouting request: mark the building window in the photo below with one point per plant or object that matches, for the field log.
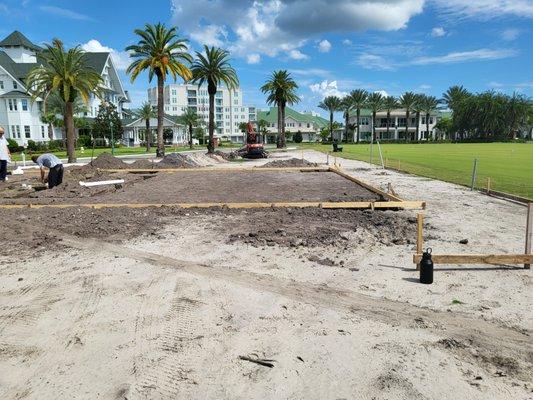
(15, 85)
(27, 132)
(2, 85)
(24, 105)
(42, 131)
(18, 131)
(10, 104)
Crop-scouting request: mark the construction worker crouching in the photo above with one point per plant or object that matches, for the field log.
(54, 166)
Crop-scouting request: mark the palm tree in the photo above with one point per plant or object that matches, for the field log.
(347, 106)
(262, 126)
(407, 101)
(192, 120)
(390, 103)
(429, 105)
(453, 96)
(147, 113)
(160, 52)
(68, 73)
(331, 104)
(281, 90)
(418, 107)
(376, 103)
(214, 68)
(359, 97)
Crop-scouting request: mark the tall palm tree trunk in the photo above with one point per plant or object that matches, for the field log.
(388, 124)
(373, 138)
(331, 124)
(283, 139)
(190, 136)
(417, 137)
(358, 125)
(147, 135)
(160, 115)
(346, 122)
(278, 141)
(427, 125)
(212, 90)
(407, 115)
(69, 126)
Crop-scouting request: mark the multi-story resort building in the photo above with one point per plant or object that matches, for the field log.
(309, 124)
(230, 110)
(20, 117)
(397, 122)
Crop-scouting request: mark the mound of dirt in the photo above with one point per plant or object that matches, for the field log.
(222, 156)
(107, 161)
(176, 160)
(291, 162)
(143, 164)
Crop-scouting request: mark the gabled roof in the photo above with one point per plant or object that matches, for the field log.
(97, 61)
(271, 116)
(15, 93)
(18, 39)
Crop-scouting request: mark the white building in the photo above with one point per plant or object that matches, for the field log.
(230, 110)
(307, 123)
(20, 117)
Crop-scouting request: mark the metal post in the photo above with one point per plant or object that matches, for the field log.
(529, 232)
(112, 138)
(474, 175)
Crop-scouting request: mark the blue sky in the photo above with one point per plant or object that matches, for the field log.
(331, 47)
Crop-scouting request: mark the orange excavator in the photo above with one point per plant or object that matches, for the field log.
(254, 146)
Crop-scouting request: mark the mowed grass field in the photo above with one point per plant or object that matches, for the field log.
(509, 165)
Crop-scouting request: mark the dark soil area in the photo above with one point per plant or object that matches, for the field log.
(30, 229)
(292, 162)
(202, 187)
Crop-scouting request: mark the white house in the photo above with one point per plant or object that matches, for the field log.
(20, 117)
(309, 124)
(135, 127)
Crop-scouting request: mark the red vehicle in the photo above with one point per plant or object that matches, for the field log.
(254, 147)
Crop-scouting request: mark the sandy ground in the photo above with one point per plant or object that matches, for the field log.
(115, 314)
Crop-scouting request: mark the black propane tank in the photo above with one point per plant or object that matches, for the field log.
(426, 268)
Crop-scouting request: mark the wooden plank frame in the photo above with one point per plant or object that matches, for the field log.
(389, 201)
(494, 259)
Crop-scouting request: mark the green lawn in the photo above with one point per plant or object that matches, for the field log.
(121, 151)
(509, 165)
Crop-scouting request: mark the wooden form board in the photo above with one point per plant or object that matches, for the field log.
(497, 259)
(325, 205)
(208, 169)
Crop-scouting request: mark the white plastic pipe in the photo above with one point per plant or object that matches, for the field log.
(102, 183)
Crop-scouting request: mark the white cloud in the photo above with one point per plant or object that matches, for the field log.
(495, 84)
(374, 61)
(64, 13)
(510, 34)
(273, 27)
(485, 9)
(253, 58)
(326, 88)
(424, 87)
(318, 72)
(464, 56)
(438, 31)
(347, 42)
(382, 92)
(324, 46)
(121, 59)
(297, 55)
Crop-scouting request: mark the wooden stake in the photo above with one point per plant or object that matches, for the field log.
(419, 237)
(488, 184)
(529, 232)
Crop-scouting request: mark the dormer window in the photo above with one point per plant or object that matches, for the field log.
(15, 85)
(2, 85)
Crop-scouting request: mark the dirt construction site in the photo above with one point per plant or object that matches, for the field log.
(201, 277)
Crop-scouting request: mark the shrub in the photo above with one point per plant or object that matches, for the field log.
(54, 145)
(298, 137)
(13, 146)
(85, 141)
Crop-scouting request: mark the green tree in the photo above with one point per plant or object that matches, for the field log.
(263, 128)
(418, 108)
(429, 105)
(107, 123)
(444, 127)
(298, 137)
(213, 67)
(376, 103)
(147, 112)
(389, 103)
(281, 91)
(407, 102)
(243, 127)
(191, 120)
(457, 98)
(332, 104)
(347, 107)
(359, 97)
(161, 52)
(68, 73)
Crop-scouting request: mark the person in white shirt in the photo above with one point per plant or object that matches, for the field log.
(5, 155)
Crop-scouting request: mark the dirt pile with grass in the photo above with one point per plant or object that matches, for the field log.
(176, 160)
(291, 162)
